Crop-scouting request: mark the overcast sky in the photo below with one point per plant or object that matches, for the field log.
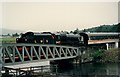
(57, 16)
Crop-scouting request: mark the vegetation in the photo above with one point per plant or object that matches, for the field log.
(105, 28)
(8, 40)
(101, 28)
(112, 55)
(15, 35)
(98, 55)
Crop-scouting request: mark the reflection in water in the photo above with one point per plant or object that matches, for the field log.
(90, 69)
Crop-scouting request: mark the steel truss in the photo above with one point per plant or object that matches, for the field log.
(11, 54)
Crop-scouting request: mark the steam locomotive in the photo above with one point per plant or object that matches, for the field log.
(80, 39)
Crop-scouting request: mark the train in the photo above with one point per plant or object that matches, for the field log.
(68, 39)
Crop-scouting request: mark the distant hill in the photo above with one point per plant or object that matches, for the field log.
(104, 28)
(101, 28)
(9, 31)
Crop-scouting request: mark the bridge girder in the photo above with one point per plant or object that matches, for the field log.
(12, 54)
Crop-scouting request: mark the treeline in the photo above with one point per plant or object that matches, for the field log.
(104, 28)
(13, 35)
(101, 28)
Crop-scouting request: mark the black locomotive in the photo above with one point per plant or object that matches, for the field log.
(54, 38)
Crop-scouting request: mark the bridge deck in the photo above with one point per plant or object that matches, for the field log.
(102, 41)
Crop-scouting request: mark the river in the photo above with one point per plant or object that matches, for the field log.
(83, 70)
(88, 69)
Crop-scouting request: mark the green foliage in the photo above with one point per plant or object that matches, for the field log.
(8, 40)
(97, 55)
(76, 31)
(105, 28)
(15, 35)
(101, 28)
(112, 55)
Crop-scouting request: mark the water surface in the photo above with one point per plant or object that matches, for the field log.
(101, 69)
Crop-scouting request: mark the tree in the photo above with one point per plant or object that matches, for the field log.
(118, 27)
(84, 30)
(8, 34)
(71, 31)
(15, 35)
(76, 31)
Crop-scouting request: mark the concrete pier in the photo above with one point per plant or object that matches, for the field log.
(107, 46)
(116, 44)
(112, 45)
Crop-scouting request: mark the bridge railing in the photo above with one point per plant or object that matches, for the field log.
(23, 53)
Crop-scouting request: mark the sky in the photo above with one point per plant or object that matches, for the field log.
(57, 16)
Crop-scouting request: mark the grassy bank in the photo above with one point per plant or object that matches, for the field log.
(8, 40)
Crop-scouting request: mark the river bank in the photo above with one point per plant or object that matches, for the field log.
(107, 56)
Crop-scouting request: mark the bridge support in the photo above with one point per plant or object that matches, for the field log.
(116, 44)
(84, 56)
(112, 45)
(107, 45)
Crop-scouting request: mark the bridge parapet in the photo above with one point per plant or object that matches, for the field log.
(12, 54)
